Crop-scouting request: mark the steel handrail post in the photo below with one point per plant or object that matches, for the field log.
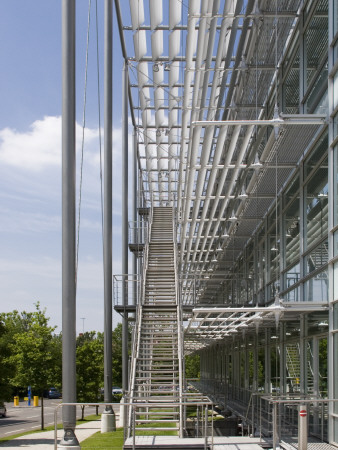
(212, 427)
(133, 411)
(322, 422)
(274, 426)
(206, 428)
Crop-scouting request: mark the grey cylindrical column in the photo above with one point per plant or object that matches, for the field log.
(68, 222)
(137, 232)
(107, 222)
(125, 226)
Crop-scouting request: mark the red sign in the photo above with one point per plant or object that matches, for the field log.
(302, 412)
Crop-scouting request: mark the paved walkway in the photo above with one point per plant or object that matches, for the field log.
(45, 439)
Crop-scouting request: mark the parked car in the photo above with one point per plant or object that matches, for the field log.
(3, 410)
(54, 393)
(117, 390)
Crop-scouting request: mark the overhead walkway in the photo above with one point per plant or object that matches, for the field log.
(156, 369)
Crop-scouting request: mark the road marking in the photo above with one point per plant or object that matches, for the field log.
(16, 431)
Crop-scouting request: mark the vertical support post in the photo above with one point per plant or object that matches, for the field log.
(302, 428)
(136, 231)
(267, 363)
(302, 356)
(125, 227)
(275, 433)
(68, 224)
(332, 223)
(108, 418)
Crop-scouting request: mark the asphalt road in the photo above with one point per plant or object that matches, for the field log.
(26, 418)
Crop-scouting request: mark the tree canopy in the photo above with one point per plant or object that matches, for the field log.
(33, 351)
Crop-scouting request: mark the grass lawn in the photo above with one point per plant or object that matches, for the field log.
(112, 440)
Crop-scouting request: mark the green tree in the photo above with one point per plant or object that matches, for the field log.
(6, 367)
(89, 367)
(192, 366)
(34, 352)
(117, 355)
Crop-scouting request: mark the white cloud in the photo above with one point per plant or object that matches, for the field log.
(40, 146)
(35, 149)
(30, 207)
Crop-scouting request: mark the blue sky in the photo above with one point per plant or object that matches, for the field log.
(30, 160)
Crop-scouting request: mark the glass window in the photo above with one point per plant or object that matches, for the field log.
(317, 258)
(317, 101)
(291, 224)
(292, 276)
(335, 192)
(335, 282)
(291, 190)
(335, 316)
(316, 206)
(335, 370)
(316, 155)
(316, 289)
(293, 295)
(323, 367)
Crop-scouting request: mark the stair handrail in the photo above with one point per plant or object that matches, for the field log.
(179, 324)
(138, 324)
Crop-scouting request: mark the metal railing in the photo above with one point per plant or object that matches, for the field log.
(137, 233)
(60, 405)
(179, 320)
(280, 417)
(133, 286)
(199, 421)
(138, 325)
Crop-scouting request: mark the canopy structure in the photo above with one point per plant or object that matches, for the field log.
(217, 138)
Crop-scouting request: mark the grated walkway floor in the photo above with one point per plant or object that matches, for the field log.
(312, 445)
(220, 442)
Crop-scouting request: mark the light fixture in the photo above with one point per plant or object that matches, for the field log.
(158, 132)
(323, 324)
(167, 67)
(225, 233)
(219, 248)
(256, 164)
(243, 194)
(156, 67)
(233, 217)
(214, 259)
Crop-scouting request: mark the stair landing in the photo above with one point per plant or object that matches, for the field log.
(219, 443)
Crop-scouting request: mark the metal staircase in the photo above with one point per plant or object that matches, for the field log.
(156, 369)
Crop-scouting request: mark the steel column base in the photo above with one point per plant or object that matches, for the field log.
(69, 440)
